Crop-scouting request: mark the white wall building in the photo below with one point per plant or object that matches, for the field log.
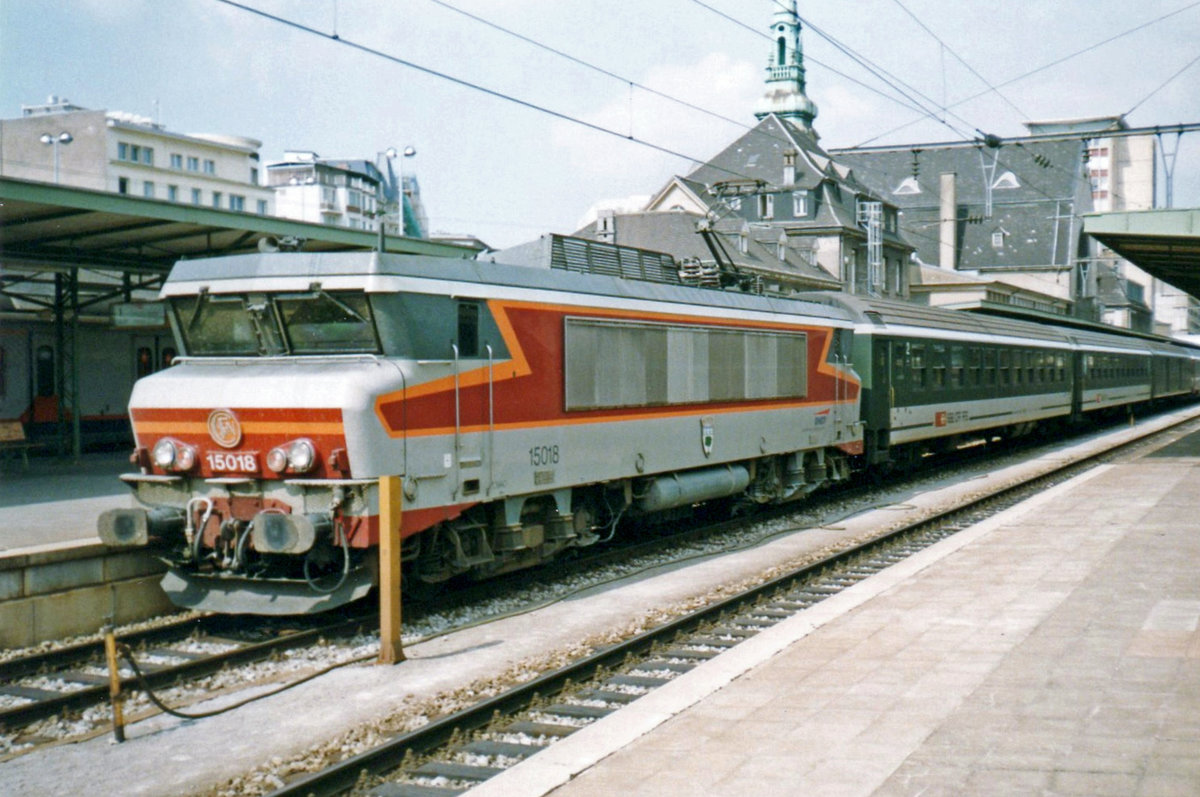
(344, 193)
(122, 153)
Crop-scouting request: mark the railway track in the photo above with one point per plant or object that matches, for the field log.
(75, 678)
(461, 750)
(72, 679)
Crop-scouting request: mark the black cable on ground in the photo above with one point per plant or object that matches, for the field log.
(127, 655)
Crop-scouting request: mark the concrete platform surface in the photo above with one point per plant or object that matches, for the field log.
(1050, 650)
(58, 500)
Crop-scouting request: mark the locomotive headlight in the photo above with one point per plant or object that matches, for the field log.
(297, 456)
(172, 455)
(185, 457)
(301, 456)
(277, 459)
(164, 453)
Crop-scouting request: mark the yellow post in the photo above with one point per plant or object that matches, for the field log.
(390, 497)
(114, 683)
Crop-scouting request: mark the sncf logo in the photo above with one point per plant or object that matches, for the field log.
(224, 429)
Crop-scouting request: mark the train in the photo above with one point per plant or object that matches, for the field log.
(110, 361)
(530, 411)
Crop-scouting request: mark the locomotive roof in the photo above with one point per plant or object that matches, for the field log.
(237, 273)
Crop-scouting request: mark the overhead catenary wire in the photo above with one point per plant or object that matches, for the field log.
(1044, 67)
(1163, 85)
(340, 40)
(810, 59)
(961, 60)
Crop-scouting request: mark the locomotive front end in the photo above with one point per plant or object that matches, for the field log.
(249, 474)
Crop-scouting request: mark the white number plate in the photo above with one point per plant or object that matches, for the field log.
(226, 461)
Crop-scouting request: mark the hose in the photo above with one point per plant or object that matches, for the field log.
(340, 532)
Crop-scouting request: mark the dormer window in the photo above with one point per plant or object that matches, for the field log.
(766, 206)
(1006, 180)
(998, 236)
(800, 204)
(908, 185)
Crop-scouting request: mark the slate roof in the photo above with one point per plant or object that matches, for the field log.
(1038, 219)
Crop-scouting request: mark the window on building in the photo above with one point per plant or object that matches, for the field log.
(253, 175)
(766, 206)
(237, 202)
(1007, 180)
(122, 151)
(135, 153)
(262, 207)
(148, 189)
(193, 163)
(195, 196)
(148, 156)
(173, 193)
(122, 185)
(176, 161)
(799, 204)
(216, 199)
(210, 166)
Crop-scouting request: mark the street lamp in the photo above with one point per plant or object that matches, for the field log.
(62, 138)
(392, 153)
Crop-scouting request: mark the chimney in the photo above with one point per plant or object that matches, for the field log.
(606, 226)
(948, 229)
(789, 167)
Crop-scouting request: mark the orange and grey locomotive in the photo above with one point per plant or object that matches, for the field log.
(526, 411)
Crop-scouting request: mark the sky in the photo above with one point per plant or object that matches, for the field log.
(507, 171)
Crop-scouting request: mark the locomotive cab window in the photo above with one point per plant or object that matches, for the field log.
(320, 322)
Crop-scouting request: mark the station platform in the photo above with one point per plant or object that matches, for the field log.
(1052, 649)
(57, 500)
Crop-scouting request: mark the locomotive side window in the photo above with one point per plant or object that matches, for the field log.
(468, 329)
(620, 364)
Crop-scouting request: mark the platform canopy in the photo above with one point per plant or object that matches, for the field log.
(1163, 243)
(47, 225)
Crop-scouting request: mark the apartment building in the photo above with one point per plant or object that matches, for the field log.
(122, 153)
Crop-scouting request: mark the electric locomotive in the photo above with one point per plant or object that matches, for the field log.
(525, 410)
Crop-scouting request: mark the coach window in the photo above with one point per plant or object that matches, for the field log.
(44, 371)
(468, 329)
(937, 361)
(989, 367)
(918, 366)
(975, 365)
(957, 363)
(899, 362)
(145, 361)
(1005, 365)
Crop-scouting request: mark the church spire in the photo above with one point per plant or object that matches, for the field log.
(785, 95)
